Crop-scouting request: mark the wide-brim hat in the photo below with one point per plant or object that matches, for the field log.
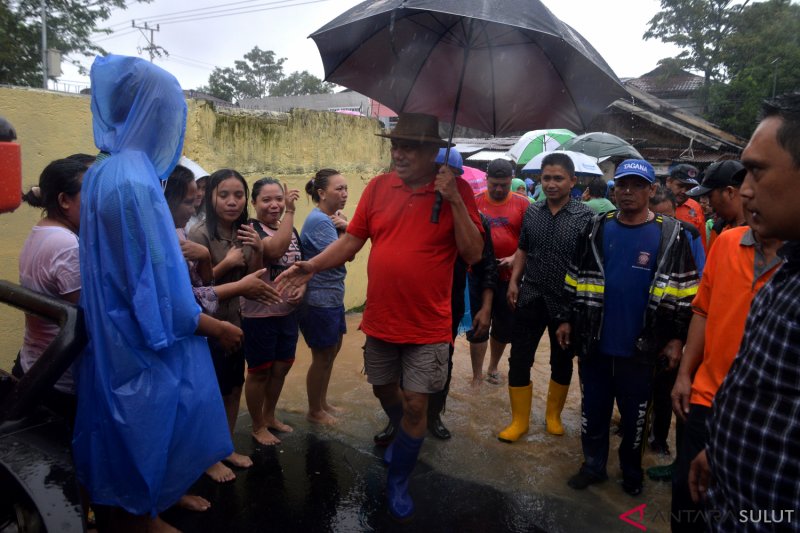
(417, 127)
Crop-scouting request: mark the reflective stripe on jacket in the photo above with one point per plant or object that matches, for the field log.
(669, 309)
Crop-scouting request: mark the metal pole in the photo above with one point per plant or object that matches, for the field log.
(43, 5)
(437, 204)
(152, 46)
(775, 74)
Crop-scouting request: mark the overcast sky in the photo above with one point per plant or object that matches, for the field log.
(201, 34)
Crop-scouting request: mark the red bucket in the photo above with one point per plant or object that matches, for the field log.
(10, 176)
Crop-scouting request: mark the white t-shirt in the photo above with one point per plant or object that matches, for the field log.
(49, 264)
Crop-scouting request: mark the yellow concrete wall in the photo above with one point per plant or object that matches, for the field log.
(288, 146)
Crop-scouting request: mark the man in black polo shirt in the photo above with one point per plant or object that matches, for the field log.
(550, 230)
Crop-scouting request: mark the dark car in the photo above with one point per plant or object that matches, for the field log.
(37, 476)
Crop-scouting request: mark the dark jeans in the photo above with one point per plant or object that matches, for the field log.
(685, 513)
(662, 405)
(603, 379)
(438, 400)
(529, 325)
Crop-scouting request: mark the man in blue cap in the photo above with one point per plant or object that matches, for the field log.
(630, 287)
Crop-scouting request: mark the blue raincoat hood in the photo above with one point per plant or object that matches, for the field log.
(150, 417)
(138, 106)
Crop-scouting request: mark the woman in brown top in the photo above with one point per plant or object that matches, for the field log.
(235, 248)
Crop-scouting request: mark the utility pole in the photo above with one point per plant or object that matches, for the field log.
(774, 74)
(43, 5)
(151, 47)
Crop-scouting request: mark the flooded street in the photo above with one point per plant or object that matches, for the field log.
(332, 478)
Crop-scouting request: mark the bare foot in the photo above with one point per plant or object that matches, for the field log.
(192, 502)
(265, 438)
(157, 525)
(238, 460)
(493, 377)
(332, 409)
(477, 382)
(321, 417)
(277, 425)
(220, 473)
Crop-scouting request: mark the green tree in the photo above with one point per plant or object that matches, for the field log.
(70, 24)
(761, 57)
(251, 77)
(698, 27)
(298, 83)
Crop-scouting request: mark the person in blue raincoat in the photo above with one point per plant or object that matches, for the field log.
(150, 417)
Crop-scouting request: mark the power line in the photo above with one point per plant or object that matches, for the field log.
(210, 12)
(188, 64)
(207, 8)
(193, 60)
(115, 35)
(232, 12)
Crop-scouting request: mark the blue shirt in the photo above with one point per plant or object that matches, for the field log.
(630, 255)
(326, 288)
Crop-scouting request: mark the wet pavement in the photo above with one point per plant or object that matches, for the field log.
(331, 478)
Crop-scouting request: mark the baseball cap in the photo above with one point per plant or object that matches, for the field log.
(500, 168)
(720, 174)
(636, 167)
(685, 173)
(454, 160)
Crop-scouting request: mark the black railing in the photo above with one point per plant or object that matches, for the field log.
(57, 357)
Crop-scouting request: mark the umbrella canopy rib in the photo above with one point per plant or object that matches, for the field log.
(428, 55)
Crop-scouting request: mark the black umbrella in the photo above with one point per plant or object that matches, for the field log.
(495, 65)
(600, 144)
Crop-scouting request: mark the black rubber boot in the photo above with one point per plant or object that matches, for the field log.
(385, 437)
(436, 403)
(395, 414)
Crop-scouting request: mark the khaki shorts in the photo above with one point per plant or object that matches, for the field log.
(422, 367)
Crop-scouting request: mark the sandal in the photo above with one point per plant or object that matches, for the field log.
(493, 378)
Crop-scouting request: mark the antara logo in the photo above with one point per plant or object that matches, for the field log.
(639, 512)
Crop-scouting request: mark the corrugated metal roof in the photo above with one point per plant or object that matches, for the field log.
(663, 81)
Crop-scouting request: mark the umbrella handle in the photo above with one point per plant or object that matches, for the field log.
(437, 208)
(437, 203)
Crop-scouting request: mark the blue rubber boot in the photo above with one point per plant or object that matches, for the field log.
(404, 458)
(387, 455)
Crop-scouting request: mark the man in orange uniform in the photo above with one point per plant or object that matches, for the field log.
(504, 211)
(739, 264)
(681, 179)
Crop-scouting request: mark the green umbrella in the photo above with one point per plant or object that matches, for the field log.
(535, 142)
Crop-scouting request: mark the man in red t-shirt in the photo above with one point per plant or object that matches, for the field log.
(682, 178)
(408, 314)
(504, 211)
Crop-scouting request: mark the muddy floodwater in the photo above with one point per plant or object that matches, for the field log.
(331, 478)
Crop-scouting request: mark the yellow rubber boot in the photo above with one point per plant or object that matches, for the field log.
(520, 413)
(556, 397)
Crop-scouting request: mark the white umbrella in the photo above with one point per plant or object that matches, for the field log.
(585, 165)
